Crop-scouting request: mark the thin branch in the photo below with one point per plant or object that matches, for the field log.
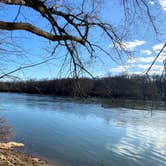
(164, 46)
(18, 13)
(25, 67)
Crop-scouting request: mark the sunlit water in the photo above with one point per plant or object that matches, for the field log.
(76, 133)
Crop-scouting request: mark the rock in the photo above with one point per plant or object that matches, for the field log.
(10, 145)
(36, 159)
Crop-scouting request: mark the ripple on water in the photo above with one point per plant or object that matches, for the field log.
(82, 134)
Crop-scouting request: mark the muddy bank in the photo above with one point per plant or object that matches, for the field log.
(10, 157)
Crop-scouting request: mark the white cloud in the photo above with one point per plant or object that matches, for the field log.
(121, 68)
(147, 52)
(138, 65)
(133, 44)
(147, 59)
(154, 67)
(141, 60)
(132, 60)
(163, 4)
(141, 68)
(138, 69)
(129, 45)
(157, 47)
(151, 2)
(136, 72)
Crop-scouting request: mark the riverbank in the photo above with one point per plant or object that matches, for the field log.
(10, 157)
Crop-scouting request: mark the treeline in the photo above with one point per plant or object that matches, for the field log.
(119, 87)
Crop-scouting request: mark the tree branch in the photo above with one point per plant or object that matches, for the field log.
(162, 49)
(33, 29)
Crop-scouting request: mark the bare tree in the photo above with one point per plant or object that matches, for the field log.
(70, 25)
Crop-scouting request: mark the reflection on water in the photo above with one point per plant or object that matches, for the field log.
(145, 139)
(135, 104)
(79, 134)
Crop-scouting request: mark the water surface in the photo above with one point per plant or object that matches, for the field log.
(75, 133)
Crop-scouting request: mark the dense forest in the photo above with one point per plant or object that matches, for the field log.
(119, 87)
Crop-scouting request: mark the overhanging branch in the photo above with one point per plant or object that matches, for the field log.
(33, 29)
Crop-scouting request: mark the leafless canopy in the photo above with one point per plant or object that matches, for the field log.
(70, 25)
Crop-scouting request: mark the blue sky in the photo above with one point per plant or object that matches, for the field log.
(141, 41)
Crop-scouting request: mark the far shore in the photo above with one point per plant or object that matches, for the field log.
(116, 87)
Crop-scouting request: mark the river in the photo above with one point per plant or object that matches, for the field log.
(77, 133)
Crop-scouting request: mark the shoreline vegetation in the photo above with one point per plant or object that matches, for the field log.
(134, 87)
